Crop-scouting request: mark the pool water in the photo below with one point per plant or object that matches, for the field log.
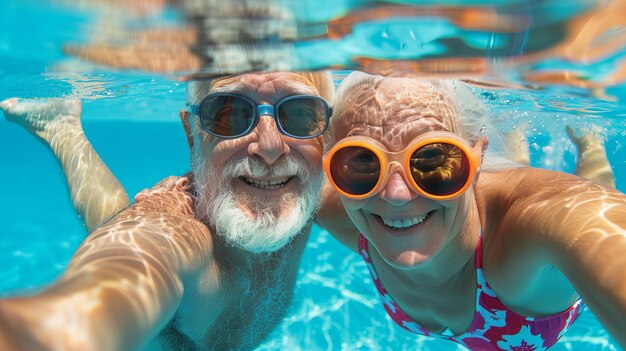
(131, 119)
(335, 305)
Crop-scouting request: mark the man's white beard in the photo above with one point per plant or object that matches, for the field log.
(267, 228)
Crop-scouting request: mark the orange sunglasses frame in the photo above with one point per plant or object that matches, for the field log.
(403, 158)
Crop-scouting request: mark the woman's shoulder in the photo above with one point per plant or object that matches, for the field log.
(512, 202)
(521, 173)
(536, 203)
(525, 181)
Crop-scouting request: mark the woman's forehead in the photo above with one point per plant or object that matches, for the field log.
(396, 107)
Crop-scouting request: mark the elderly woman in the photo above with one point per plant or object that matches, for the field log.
(460, 246)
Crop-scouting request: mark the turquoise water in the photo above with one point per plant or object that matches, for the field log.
(131, 119)
(335, 306)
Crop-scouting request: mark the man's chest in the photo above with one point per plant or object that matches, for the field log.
(239, 313)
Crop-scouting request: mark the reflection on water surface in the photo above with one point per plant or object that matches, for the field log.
(531, 43)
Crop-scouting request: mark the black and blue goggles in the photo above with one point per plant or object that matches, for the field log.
(230, 115)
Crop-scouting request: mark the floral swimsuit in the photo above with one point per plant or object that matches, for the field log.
(495, 327)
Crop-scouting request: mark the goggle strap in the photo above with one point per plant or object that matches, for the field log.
(195, 109)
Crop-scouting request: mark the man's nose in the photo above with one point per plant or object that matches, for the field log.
(397, 191)
(270, 143)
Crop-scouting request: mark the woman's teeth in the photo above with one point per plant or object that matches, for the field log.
(403, 223)
(266, 184)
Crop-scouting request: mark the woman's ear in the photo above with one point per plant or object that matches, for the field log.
(184, 117)
(482, 143)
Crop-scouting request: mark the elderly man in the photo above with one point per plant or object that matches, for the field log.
(207, 261)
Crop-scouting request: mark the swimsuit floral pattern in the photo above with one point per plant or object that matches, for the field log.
(495, 327)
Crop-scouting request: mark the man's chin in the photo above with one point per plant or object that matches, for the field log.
(256, 248)
(260, 235)
(262, 221)
(275, 210)
(259, 227)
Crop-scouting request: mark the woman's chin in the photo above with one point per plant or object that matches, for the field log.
(404, 259)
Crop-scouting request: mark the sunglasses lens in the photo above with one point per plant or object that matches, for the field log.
(355, 170)
(226, 115)
(303, 116)
(440, 168)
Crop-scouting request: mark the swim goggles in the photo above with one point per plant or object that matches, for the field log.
(438, 165)
(230, 115)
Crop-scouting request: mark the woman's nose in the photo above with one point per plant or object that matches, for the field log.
(397, 191)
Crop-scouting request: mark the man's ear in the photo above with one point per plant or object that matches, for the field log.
(184, 117)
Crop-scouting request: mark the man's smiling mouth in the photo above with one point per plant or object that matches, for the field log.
(266, 184)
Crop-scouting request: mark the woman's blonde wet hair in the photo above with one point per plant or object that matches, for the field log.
(470, 116)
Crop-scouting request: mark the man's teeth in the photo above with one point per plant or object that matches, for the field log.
(403, 223)
(266, 184)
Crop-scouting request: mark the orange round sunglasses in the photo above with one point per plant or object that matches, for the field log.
(438, 165)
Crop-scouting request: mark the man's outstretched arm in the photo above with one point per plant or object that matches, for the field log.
(123, 284)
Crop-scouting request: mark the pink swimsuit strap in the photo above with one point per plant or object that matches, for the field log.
(495, 326)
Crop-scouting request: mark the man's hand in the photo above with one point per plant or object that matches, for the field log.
(171, 196)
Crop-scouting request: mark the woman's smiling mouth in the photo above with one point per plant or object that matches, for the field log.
(403, 223)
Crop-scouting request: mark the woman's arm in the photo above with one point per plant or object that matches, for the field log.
(125, 281)
(579, 227)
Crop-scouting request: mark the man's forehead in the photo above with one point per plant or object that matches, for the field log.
(255, 80)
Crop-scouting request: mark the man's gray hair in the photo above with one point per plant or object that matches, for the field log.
(197, 90)
(322, 81)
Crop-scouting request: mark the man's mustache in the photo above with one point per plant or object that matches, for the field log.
(290, 166)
